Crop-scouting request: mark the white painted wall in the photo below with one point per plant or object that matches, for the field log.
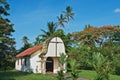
(18, 64)
(32, 64)
(35, 62)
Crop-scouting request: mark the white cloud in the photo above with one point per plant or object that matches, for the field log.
(117, 10)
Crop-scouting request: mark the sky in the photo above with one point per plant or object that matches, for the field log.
(30, 16)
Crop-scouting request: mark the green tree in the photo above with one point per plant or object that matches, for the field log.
(50, 33)
(112, 49)
(69, 14)
(101, 65)
(38, 40)
(4, 7)
(74, 68)
(7, 48)
(66, 17)
(62, 61)
(105, 40)
(61, 20)
(26, 44)
(81, 53)
(25, 40)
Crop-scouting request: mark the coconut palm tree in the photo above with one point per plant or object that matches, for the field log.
(69, 14)
(51, 28)
(50, 33)
(61, 20)
(37, 40)
(25, 40)
(26, 44)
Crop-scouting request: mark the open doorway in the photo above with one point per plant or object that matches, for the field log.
(49, 64)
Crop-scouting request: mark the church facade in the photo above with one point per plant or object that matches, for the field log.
(42, 58)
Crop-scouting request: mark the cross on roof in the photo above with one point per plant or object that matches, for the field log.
(56, 41)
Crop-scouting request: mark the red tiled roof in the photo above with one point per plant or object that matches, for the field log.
(29, 51)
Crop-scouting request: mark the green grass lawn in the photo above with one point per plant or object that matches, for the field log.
(17, 75)
(91, 74)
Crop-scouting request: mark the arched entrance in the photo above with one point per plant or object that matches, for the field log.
(49, 64)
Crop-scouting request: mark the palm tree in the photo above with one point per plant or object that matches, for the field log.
(25, 40)
(69, 14)
(101, 65)
(62, 61)
(26, 44)
(50, 33)
(74, 68)
(51, 28)
(37, 40)
(61, 20)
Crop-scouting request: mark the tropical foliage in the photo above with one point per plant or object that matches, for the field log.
(73, 68)
(62, 61)
(103, 39)
(101, 66)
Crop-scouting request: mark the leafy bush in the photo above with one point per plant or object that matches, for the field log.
(101, 65)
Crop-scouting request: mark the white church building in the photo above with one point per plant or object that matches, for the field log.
(42, 58)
